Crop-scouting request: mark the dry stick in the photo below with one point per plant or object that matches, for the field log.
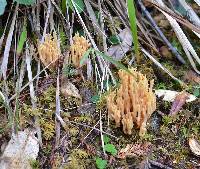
(57, 123)
(161, 66)
(32, 93)
(38, 16)
(187, 46)
(46, 21)
(31, 81)
(104, 42)
(92, 16)
(151, 42)
(159, 164)
(63, 123)
(177, 17)
(4, 31)
(102, 25)
(36, 28)
(105, 70)
(158, 30)
(87, 134)
(8, 45)
(190, 13)
(101, 131)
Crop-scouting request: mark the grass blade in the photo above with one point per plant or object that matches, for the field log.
(22, 40)
(85, 56)
(133, 24)
(113, 61)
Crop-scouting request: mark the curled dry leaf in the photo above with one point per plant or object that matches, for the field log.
(179, 101)
(118, 51)
(165, 52)
(69, 89)
(169, 95)
(134, 150)
(194, 146)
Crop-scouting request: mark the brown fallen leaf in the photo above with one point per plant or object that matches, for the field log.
(194, 146)
(165, 52)
(161, 21)
(191, 76)
(179, 101)
(69, 89)
(134, 150)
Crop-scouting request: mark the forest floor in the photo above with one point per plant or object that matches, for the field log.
(86, 124)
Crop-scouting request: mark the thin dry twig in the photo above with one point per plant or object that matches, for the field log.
(57, 110)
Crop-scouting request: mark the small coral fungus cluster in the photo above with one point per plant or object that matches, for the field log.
(78, 48)
(49, 51)
(133, 102)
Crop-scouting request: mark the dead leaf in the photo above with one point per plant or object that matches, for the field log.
(118, 51)
(161, 21)
(194, 146)
(179, 101)
(170, 95)
(68, 89)
(165, 52)
(191, 76)
(134, 150)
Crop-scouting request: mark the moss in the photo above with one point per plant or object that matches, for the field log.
(73, 131)
(48, 128)
(79, 159)
(46, 149)
(35, 164)
(83, 118)
(146, 69)
(45, 112)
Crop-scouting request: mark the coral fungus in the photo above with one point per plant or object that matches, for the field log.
(49, 50)
(133, 102)
(78, 48)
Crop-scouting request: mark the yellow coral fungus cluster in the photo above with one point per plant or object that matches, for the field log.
(78, 48)
(49, 51)
(133, 102)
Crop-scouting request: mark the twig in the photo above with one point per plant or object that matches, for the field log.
(159, 164)
(46, 21)
(158, 30)
(88, 134)
(4, 31)
(27, 84)
(63, 123)
(57, 123)
(32, 93)
(161, 66)
(101, 131)
(177, 17)
(8, 45)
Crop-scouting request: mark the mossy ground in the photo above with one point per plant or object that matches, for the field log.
(168, 136)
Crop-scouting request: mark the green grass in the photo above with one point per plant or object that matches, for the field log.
(133, 25)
